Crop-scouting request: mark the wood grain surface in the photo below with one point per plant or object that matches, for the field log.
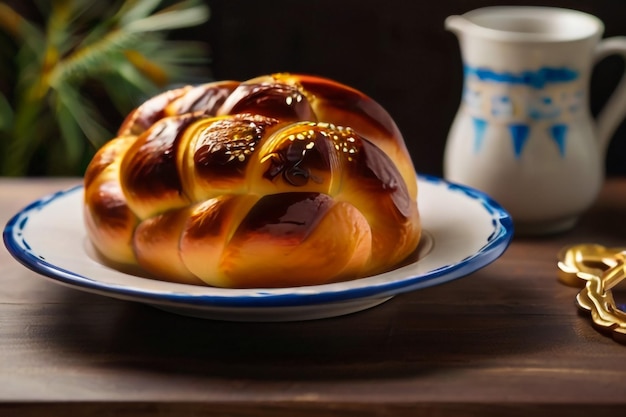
(506, 340)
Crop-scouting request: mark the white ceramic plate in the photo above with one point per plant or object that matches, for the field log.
(464, 230)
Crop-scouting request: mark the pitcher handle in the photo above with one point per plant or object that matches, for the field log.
(614, 110)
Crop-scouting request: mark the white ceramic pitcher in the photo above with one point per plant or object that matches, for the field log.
(523, 132)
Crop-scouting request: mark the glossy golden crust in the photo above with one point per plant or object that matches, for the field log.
(282, 180)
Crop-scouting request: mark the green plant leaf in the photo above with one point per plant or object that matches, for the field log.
(84, 114)
(25, 138)
(172, 19)
(85, 61)
(71, 134)
(126, 87)
(182, 61)
(136, 9)
(6, 114)
(20, 28)
(133, 77)
(90, 58)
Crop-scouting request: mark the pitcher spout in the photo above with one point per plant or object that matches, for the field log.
(456, 24)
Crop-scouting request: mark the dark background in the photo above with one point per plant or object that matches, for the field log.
(396, 51)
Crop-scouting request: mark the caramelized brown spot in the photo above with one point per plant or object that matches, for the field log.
(210, 218)
(108, 207)
(306, 148)
(280, 101)
(98, 164)
(225, 146)
(108, 154)
(350, 102)
(151, 170)
(376, 165)
(287, 216)
(149, 112)
(206, 98)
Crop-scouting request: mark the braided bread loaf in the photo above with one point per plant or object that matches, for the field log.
(282, 180)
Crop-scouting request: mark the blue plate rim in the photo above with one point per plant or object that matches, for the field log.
(496, 245)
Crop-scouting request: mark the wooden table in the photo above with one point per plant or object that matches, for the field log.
(504, 341)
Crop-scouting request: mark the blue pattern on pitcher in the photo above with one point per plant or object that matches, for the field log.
(550, 97)
(536, 79)
(480, 125)
(501, 105)
(558, 133)
(519, 134)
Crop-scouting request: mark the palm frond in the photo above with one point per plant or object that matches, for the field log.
(59, 33)
(183, 52)
(149, 68)
(124, 95)
(71, 134)
(85, 61)
(29, 123)
(20, 28)
(170, 19)
(6, 114)
(89, 55)
(85, 115)
(170, 62)
(133, 77)
(133, 10)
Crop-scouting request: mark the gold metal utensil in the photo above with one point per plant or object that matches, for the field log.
(598, 270)
(588, 258)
